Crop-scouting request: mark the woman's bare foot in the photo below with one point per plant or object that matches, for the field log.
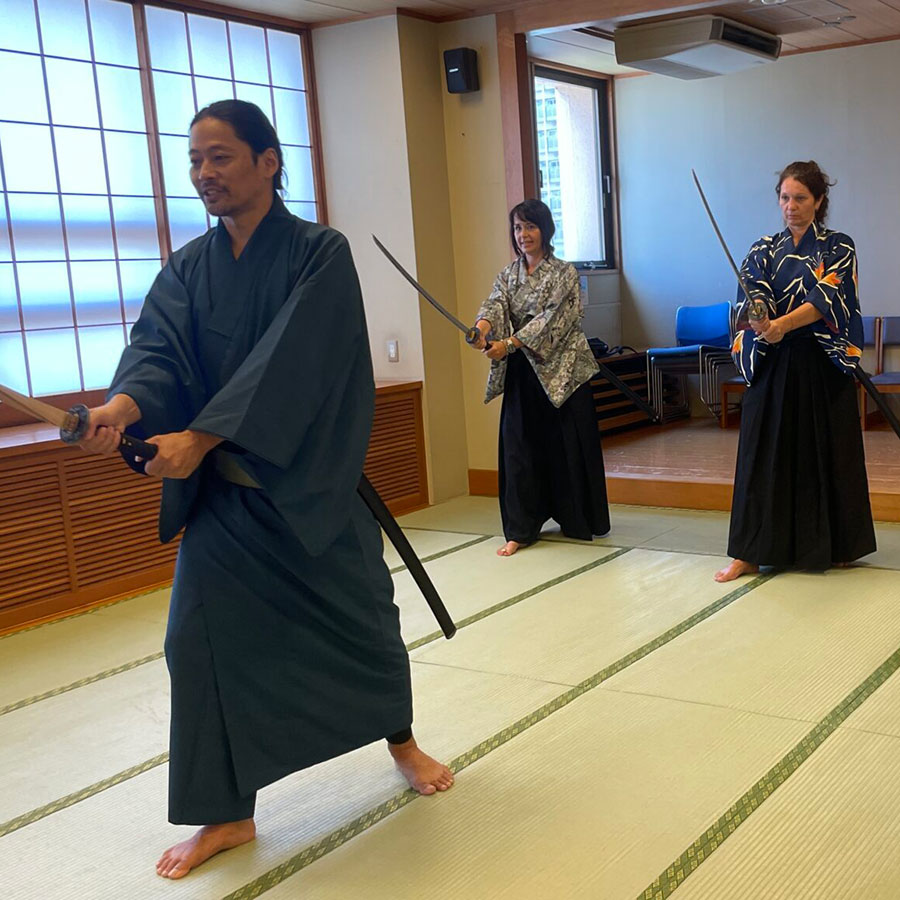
(424, 774)
(177, 861)
(509, 548)
(735, 569)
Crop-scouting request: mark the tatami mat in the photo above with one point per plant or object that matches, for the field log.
(105, 848)
(582, 805)
(82, 737)
(568, 632)
(793, 647)
(687, 693)
(830, 833)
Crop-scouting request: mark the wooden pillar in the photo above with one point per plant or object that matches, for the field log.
(516, 112)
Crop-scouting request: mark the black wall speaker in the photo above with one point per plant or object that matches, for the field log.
(461, 66)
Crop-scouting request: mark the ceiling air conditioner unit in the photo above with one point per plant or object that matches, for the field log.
(697, 47)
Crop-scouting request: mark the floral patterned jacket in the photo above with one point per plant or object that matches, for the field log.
(543, 311)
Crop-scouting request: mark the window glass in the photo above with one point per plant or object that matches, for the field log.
(285, 59)
(101, 348)
(121, 101)
(88, 228)
(64, 28)
(96, 291)
(12, 362)
(54, 361)
(258, 94)
(5, 250)
(135, 227)
(210, 90)
(27, 158)
(73, 97)
(176, 166)
(36, 225)
(248, 53)
(19, 31)
(27, 103)
(209, 46)
(45, 295)
(79, 155)
(112, 28)
(573, 159)
(187, 220)
(167, 34)
(128, 162)
(298, 165)
(9, 308)
(137, 278)
(290, 112)
(303, 210)
(174, 102)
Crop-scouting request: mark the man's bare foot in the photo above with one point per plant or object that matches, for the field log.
(424, 774)
(735, 569)
(177, 861)
(509, 548)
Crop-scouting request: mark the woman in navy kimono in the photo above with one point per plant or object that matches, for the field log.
(551, 463)
(249, 369)
(800, 490)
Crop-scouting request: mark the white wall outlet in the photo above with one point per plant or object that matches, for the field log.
(393, 349)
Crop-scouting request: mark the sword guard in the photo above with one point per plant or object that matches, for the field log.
(72, 435)
(473, 335)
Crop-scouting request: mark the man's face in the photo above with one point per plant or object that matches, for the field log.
(224, 172)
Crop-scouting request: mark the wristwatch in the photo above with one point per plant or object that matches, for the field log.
(510, 346)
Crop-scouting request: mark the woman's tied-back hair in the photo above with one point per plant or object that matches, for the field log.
(251, 126)
(538, 214)
(813, 179)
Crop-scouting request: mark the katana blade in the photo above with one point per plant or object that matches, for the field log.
(37, 409)
(472, 334)
(712, 219)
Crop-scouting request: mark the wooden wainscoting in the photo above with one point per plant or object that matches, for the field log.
(79, 530)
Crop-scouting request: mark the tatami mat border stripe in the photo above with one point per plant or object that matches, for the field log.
(518, 598)
(104, 604)
(82, 682)
(479, 540)
(41, 812)
(738, 813)
(334, 840)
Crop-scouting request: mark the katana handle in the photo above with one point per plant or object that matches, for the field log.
(473, 335)
(134, 451)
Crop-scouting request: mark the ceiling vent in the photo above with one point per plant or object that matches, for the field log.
(697, 47)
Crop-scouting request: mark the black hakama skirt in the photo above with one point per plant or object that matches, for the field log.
(551, 463)
(278, 659)
(801, 495)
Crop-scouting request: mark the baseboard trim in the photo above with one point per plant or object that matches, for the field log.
(484, 482)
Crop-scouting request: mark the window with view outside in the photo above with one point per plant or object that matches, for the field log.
(80, 233)
(573, 159)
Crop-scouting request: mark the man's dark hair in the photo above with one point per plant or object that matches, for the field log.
(537, 213)
(813, 179)
(251, 126)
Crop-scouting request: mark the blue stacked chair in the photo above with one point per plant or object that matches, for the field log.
(702, 334)
(886, 382)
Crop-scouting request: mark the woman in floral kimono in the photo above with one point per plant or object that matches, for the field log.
(551, 464)
(800, 491)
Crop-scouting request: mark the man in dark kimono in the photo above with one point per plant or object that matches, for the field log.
(250, 370)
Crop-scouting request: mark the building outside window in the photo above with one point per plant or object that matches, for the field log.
(574, 160)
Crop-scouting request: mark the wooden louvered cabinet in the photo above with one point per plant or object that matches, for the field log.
(76, 530)
(395, 462)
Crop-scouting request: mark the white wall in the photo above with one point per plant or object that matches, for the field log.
(839, 107)
(367, 176)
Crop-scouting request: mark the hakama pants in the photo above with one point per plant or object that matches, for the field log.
(551, 462)
(801, 495)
